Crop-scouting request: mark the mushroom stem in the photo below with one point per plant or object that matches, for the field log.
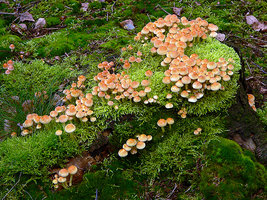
(163, 130)
(65, 185)
(70, 184)
(60, 139)
(170, 126)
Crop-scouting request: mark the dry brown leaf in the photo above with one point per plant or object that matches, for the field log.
(127, 24)
(26, 17)
(177, 11)
(251, 19)
(256, 24)
(220, 37)
(40, 23)
(85, 6)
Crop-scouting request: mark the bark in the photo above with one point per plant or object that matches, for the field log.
(243, 121)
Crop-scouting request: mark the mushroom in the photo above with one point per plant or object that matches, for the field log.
(123, 153)
(161, 123)
(59, 133)
(170, 121)
(72, 170)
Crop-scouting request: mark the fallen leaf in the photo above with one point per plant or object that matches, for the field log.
(23, 27)
(40, 23)
(220, 37)
(127, 24)
(26, 17)
(85, 6)
(251, 19)
(260, 26)
(177, 11)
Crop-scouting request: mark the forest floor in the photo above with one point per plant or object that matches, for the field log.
(57, 40)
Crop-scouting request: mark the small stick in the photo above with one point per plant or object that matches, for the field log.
(158, 6)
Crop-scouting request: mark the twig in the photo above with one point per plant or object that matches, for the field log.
(175, 186)
(188, 189)
(259, 67)
(12, 187)
(5, 13)
(113, 6)
(248, 67)
(28, 194)
(96, 195)
(148, 17)
(107, 16)
(159, 6)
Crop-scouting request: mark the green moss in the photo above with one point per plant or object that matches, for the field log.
(109, 183)
(36, 76)
(230, 174)
(52, 21)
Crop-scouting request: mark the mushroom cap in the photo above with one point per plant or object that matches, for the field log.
(131, 142)
(133, 151)
(162, 50)
(122, 153)
(169, 105)
(192, 99)
(63, 172)
(72, 169)
(140, 145)
(149, 137)
(63, 118)
(126, 147)
(184, 94)
(148, 73)
(197, 85)
(215, 86)
(70, 128)
(45, 119)
(27, 123)
(142, 138)
(162, 123)
(145, 83)
(58, 132)
(170, 121)
(61, 179)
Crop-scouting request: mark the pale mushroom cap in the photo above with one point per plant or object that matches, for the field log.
(197, 85)
(140, 145)
(149, 137)
(61, 179)
(63, 172)
(170, 121)
(27, 123)
(169, 105)
(192, 99)
(53, 113)
(45, 119)
(59, 132)
(215, 86)
(133, 151)
(72, 169)
(184, 94)
(122, 153)
(63, 118)
(126, 147)
(131, 142)
(142, 138)
(162, 123)
(70, 128)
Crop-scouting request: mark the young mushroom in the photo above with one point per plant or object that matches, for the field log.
(72, 170)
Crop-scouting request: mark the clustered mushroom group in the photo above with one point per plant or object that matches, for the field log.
(132, 145)
(80, 110)
(162, 123)
(63, 175)
(188, 76)
(251, 101)
(197, 131)
(8, 66)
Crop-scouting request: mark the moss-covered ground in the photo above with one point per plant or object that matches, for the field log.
(174, 165)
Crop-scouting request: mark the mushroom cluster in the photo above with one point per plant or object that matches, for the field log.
(162, 123)
(187, 76)
(8, 66)
(117, 87)
(182, 112)
(132, 145)
(251, 101)
(63, 175)
(80, 110)
(197, 131)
